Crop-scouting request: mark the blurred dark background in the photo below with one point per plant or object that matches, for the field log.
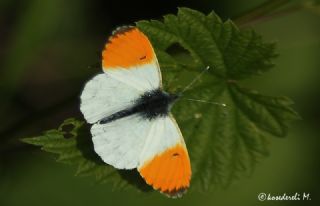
(49, 49)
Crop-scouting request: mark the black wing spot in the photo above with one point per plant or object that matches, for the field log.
(175, 154)
(143, 57)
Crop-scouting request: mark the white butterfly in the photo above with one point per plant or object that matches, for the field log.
(130, 114)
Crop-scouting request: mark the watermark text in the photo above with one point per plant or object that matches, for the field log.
(284, 197)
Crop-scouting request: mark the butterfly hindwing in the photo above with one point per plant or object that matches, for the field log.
(156, 148)
(120, 142)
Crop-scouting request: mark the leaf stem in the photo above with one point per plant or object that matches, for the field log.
(265, 11)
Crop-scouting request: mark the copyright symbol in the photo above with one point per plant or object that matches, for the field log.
(262, 196)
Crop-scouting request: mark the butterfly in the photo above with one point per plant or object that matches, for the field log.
(132, 126)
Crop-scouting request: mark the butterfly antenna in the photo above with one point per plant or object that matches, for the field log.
(208, 102)
(199, 100)
(194, 80)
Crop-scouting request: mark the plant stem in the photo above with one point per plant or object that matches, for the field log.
(260, 12)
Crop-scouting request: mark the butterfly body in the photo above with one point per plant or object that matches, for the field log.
(150, 105)
(132, 126)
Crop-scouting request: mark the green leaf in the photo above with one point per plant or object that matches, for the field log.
(229, 52)
(224, 143)
(271, 114)
(72, 144)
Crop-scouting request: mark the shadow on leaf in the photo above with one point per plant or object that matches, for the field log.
(85, 146)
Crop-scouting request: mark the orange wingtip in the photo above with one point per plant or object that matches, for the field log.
(126, 48)
(169, 172)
